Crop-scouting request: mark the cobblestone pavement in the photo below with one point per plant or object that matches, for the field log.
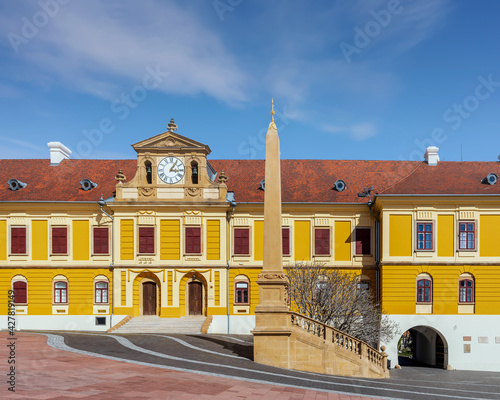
(79, 365)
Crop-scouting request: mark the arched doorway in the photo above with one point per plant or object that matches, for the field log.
(195, 296)
(423, 346)
(149, 298)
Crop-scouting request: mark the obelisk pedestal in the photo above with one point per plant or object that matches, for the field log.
(272, 318)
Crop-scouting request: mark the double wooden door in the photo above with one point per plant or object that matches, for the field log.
(195, 298)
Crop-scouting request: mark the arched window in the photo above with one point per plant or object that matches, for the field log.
(466, 288)
(101, 292)
(241, 290)
(20, 289)
(424, 289)
(149, 172)
(60, 292)
(194, 173)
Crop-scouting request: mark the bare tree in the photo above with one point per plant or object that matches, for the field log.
(336, 298)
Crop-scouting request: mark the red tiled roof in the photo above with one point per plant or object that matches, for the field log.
(302, 180)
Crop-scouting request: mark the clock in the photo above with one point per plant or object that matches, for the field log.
(171, 170)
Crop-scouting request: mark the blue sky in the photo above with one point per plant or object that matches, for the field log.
(350, 79)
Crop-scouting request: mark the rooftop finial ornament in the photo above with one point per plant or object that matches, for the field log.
(272, 124)
(171, 126)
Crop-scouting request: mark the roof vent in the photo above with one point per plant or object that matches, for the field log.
(339, 185)
(58, 152)
(87, 184)
(431, 155)
(14, 184)
(262, 184)
(491, 178)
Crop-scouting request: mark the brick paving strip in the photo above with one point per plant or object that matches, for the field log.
(45, 373)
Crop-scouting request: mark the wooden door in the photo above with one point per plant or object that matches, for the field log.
(149, 298)
(195, 298)
(440, 352)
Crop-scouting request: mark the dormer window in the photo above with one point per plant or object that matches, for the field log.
(194, 173)
(149, 172)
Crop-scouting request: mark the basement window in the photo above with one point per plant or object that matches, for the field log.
(100, 321)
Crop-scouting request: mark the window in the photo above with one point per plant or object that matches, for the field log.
(101, 240)
(146, 240)
(467, 236)
(59, 240)
(363, 282)
(20, 292)
(242, 241)
(101, 292)
(149, 172)
(60, 292)
(322, 241)
(424, 236)
(466, 291)
(18, 240)
(363, 241)
(424, 291)
(241, 292)
(285, 241)
(193, 240)
(194, 173)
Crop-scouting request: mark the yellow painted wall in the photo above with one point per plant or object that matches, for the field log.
(40, 288)
(3, 240)
(81, 240)
(302, 240)
(342, 240)
(213, 239)
(445, 236)
(217, 288)
(399, 288)
(400, 235)
(170, 239)
(258, 242)
(39, 240)
(489, 236)
(127, 239)
(123, 288)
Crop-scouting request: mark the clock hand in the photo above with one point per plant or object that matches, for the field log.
(172, 168)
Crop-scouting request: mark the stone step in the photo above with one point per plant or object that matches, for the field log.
(155, 324)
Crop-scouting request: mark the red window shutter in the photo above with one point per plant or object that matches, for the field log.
(101, 240)
(193, 240)
(363, 241)
(59, 240)
(322, 241)
(242, 241)
(146, 240)
(285, 240)
(18, 240)
(20, 292)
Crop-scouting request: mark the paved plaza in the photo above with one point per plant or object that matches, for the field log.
(62, 365)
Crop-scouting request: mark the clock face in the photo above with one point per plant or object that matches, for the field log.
(171, 170)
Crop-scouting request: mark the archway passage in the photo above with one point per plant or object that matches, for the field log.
(423, 346)
(195, 298)
(149, 298)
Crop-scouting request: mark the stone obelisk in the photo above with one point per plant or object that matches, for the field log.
(271, 333)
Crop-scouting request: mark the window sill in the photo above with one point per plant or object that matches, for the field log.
(425, 253)
(423, 308)
(322, 255)
(468, 308)
(467, 253)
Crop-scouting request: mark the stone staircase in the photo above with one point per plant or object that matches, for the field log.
(155, 324)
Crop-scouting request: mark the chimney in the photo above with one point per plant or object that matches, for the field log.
(58, 152)
(431, 155)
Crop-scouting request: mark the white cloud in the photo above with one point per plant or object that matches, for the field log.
(358, 132)
(102, 48)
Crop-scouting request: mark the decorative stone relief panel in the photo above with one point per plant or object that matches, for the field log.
(467, 215)
(146, 217)
(424, 215)
(321, 221)
(240, 221)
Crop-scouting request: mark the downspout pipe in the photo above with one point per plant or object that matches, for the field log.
(229, 214)
(102, 203)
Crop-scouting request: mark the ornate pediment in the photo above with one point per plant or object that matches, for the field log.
(170, 141)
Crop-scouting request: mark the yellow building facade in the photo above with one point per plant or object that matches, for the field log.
(84, 244)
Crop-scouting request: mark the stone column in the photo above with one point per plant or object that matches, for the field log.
(272, 319)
